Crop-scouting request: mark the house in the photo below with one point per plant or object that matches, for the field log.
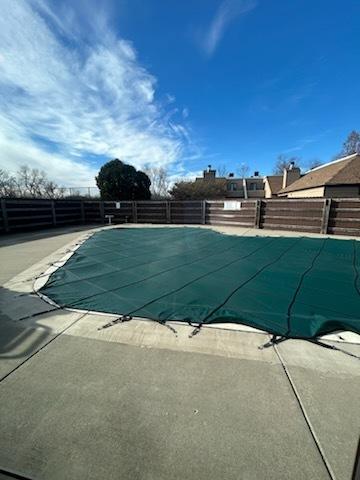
(274, 183)
(340, 178)
(250, 187)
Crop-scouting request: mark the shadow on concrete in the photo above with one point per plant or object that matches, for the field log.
(20, 342)
(9, 239)
(19, 339)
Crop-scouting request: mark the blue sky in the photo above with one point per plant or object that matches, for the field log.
(175, 84)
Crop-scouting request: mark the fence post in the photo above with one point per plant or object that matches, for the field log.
(82, 207)
(326, 215)
(257, 213)
(102, 211)
(168, 212)
(134, 211)
(4, 215)
(53, 212)
(203, 212)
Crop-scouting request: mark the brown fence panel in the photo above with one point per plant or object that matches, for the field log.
(23, 214)
(68, 212)
(187, 212)
(122, 212)
(2, 220)
(151, 212)
(344, 218)
(92, 212)
(297, 215)
(245, 217)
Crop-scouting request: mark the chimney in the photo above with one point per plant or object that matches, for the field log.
(256, 173)
(231, 175)
(290, 175)
(209, 174)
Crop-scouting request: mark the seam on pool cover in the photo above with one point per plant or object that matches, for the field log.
(250, 279)
(303, 275)
(198, 278)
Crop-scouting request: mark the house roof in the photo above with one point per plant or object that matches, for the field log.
(231, 179)
(200, 179)
(345, 171)
(275, 182)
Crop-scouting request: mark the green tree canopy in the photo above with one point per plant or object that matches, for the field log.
(118, 181)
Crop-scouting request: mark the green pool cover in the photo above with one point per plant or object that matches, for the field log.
(295, 287)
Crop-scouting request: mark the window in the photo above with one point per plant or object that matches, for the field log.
(232, 187)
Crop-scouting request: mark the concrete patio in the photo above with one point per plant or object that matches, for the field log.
(137, 402)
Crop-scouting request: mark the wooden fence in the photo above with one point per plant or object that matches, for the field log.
(245, 217)
(333, 216)
(300, 215)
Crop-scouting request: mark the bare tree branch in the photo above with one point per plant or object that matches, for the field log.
(311, 164)
(222, 171)
(283, 161)
(8, 185)
(243, 170)
(160, 182)
(28, 183)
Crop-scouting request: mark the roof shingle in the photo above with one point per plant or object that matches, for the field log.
(345, 171)
(275, 182)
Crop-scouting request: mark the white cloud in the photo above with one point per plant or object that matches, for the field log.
(226, 13)
(304, 142)
(66, 171)
(170, 98)
(183, 175)
(185, 112)
(76, 97)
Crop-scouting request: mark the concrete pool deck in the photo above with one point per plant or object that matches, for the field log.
(137, 402)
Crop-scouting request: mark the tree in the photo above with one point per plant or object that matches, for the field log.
(31, 182)
(351, 144)
(52, 190)
(314, 163)
(8, 185)
(142, 186)
(284, 162)
(28, 183)
(118, 181)
(199, 190)
(243, 170)
(221, 171)
(160, 182)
